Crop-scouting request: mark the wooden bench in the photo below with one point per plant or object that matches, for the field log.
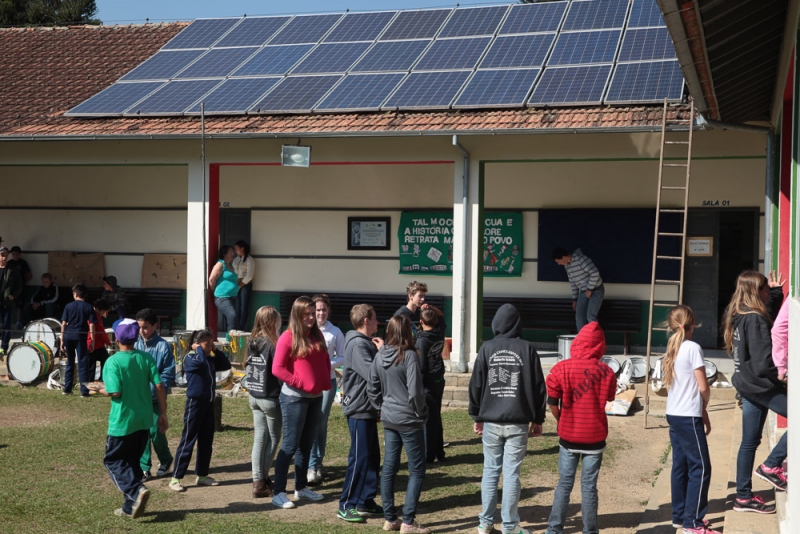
(616, 315)
(341, 303)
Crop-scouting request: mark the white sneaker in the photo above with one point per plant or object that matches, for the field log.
(206, 481)
(485, 530)
(175, 485)
(309, 494)
(281, 500)
(518, 530)
(312, 477)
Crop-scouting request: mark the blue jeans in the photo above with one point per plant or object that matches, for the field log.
(587, 309)
(567, 466)
(504, 449)
(300, 422)
(691, 470)
(122, 463)
(243, 305)
(394, 442)
(318, 449)
(754, 415)
(267, 423)
(226, 313)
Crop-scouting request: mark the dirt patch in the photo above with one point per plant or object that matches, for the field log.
(32, 416)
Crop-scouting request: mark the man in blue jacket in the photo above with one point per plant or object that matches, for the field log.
(153, 344)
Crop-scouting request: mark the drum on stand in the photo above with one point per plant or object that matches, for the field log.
(239, 342)
(225, 348)
(183, 344)
(47, 331)
(29, 361)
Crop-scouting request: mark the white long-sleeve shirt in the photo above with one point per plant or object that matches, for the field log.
(245, 269)
(335, 341)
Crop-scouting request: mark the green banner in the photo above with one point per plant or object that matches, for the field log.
(426, 243)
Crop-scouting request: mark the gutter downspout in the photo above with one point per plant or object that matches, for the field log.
(463, 366)
(769, 193)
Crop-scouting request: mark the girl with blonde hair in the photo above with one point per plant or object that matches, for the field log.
(684, 375)
(264, 390)
(302, 363)
(747, 337)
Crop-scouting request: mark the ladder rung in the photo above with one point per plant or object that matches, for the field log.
(671, 210)
(658, 329)
(670, 234)
(673, 187)
(676, 142)
(676, 164)
(669, 282)
(669, 257)
(665, 304)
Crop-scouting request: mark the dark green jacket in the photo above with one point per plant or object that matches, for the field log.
(12, 285)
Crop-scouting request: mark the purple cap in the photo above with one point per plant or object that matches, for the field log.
(127, 331)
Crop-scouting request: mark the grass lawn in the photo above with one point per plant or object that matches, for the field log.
(52, 477)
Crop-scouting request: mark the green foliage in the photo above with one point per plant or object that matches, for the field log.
(47, 12)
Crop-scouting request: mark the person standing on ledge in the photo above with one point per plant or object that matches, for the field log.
(587, 286)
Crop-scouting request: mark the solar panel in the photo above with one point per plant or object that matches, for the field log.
(497, 88)
(647, 43)
(645, 13)
(531, 18)
(296, 94)
(428, 90)
(305, 29)
(596, 14)
(174, 97)
(360, 27)
(218, 62)
(391, 56)
(115, 99)
(273, 60)
(336, 57)
(474, 21)
(646, 82)
(571, 86)
(585, 47)
(201, 33)
(361, 92)
(453, 54)
(423, 24)
(253, 31)
(518, 51)
(163, 65)
(235, 95)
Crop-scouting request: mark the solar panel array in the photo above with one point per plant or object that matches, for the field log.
(563, 53)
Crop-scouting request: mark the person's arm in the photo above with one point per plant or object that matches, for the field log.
(52, 300)
(161, 395)
(281, 365)
(215, 273)
(362, 358)
(416, 392)
(16, 285)
(338, 344)
(780, 341)
(705, 393)
(775, 281)
(251, 270)
(422, 349)
(594, 273)
(168, 361)
(475, 390)
(555, 410)
(221, 361)
(374, 389)
(194, 361)
(63, 330)
(759, 343)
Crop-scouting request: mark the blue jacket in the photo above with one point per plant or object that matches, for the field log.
(201, 370)
(165, 360)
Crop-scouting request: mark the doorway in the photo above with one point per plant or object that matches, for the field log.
(234, 225)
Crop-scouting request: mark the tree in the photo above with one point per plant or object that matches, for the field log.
(45, 12)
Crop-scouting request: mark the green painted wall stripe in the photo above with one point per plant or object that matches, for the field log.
(592, 160)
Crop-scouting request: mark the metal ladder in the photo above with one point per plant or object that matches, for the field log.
(668, 183)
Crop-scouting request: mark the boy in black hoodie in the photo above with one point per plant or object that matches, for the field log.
(364, 460)
(429, 343)
(507, 398)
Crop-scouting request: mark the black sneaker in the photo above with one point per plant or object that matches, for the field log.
(370, 510)
(163, 469)
(351, 516)
(773, 475)
(753, 504)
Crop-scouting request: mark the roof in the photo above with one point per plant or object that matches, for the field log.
(47, 71)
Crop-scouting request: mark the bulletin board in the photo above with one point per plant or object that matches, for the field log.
(618, 240)
(69, 268)
(164, 270)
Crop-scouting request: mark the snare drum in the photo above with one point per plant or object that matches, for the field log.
(239, 342)
(224, 379)
(638, 369)
(225, 348)
(28, 361)
(613, 363)
(183, 344)
(711, 372)
(48, 331)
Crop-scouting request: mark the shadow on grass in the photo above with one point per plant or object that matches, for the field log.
(173, 516)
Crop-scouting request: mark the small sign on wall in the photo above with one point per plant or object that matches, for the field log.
(700, 246)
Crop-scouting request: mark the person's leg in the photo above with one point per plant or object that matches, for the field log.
(293, 412)
(753, 419)
(205, 440)
(122, 463)
(243, 305)
(513, 453)
(145, 462)
(160, 442)
(70, 347)
(7, 314)
(778, 405)
(98, 356)
(679, 476)
(590, 470)
(595, 301)
(226, 313)
(357, 464)
(191, 430)
(436, 415)
(272, 409)
(374, 467)
(260, 439)
(414, 443)
(493, 445)
(307, 435)
(392, 447)
(699, 472)
(50, 310)
(567, 465)
(320, 443)
(85, 372)
(580, 310)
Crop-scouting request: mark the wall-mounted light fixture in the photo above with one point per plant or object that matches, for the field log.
(295, 156)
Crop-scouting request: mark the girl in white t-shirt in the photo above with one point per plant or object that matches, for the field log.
(685, 377)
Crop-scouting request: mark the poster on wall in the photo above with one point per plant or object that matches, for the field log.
(368, 233)
(426, 243)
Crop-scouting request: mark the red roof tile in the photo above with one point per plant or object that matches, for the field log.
(47, 71)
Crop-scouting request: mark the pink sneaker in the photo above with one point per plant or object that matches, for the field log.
(774, 475)
(700, 530)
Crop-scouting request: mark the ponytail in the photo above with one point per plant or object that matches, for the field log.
(679, 319)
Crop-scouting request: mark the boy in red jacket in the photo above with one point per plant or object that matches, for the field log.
(577, 391)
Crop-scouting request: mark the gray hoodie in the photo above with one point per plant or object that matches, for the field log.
(396, 390)
(359, 353)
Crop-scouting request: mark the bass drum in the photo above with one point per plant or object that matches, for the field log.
(29, 361)
(47, 331)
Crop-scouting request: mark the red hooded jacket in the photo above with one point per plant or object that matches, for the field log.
(582, 385)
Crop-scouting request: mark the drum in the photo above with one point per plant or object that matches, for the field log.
(564, 345)
(48, 331)
(239, 342)
(224, 379)
(180, 378)
(638, 369)
(711, 372)
(225, 348)
(29, 361)
(174, 347)
(613, 363)
(183, 344)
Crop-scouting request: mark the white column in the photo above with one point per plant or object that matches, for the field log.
(475, 252)
(195, 250)
(460, 269)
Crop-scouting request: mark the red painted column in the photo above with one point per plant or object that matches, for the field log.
(213, 237)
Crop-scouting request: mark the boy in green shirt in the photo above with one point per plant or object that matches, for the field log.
(127, 376)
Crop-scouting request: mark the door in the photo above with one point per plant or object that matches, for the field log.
(234, 225)
(701, 279)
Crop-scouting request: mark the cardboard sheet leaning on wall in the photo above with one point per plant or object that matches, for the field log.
(164, 270)
(69, 268)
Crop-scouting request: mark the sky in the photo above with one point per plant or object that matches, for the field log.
(136, 12)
